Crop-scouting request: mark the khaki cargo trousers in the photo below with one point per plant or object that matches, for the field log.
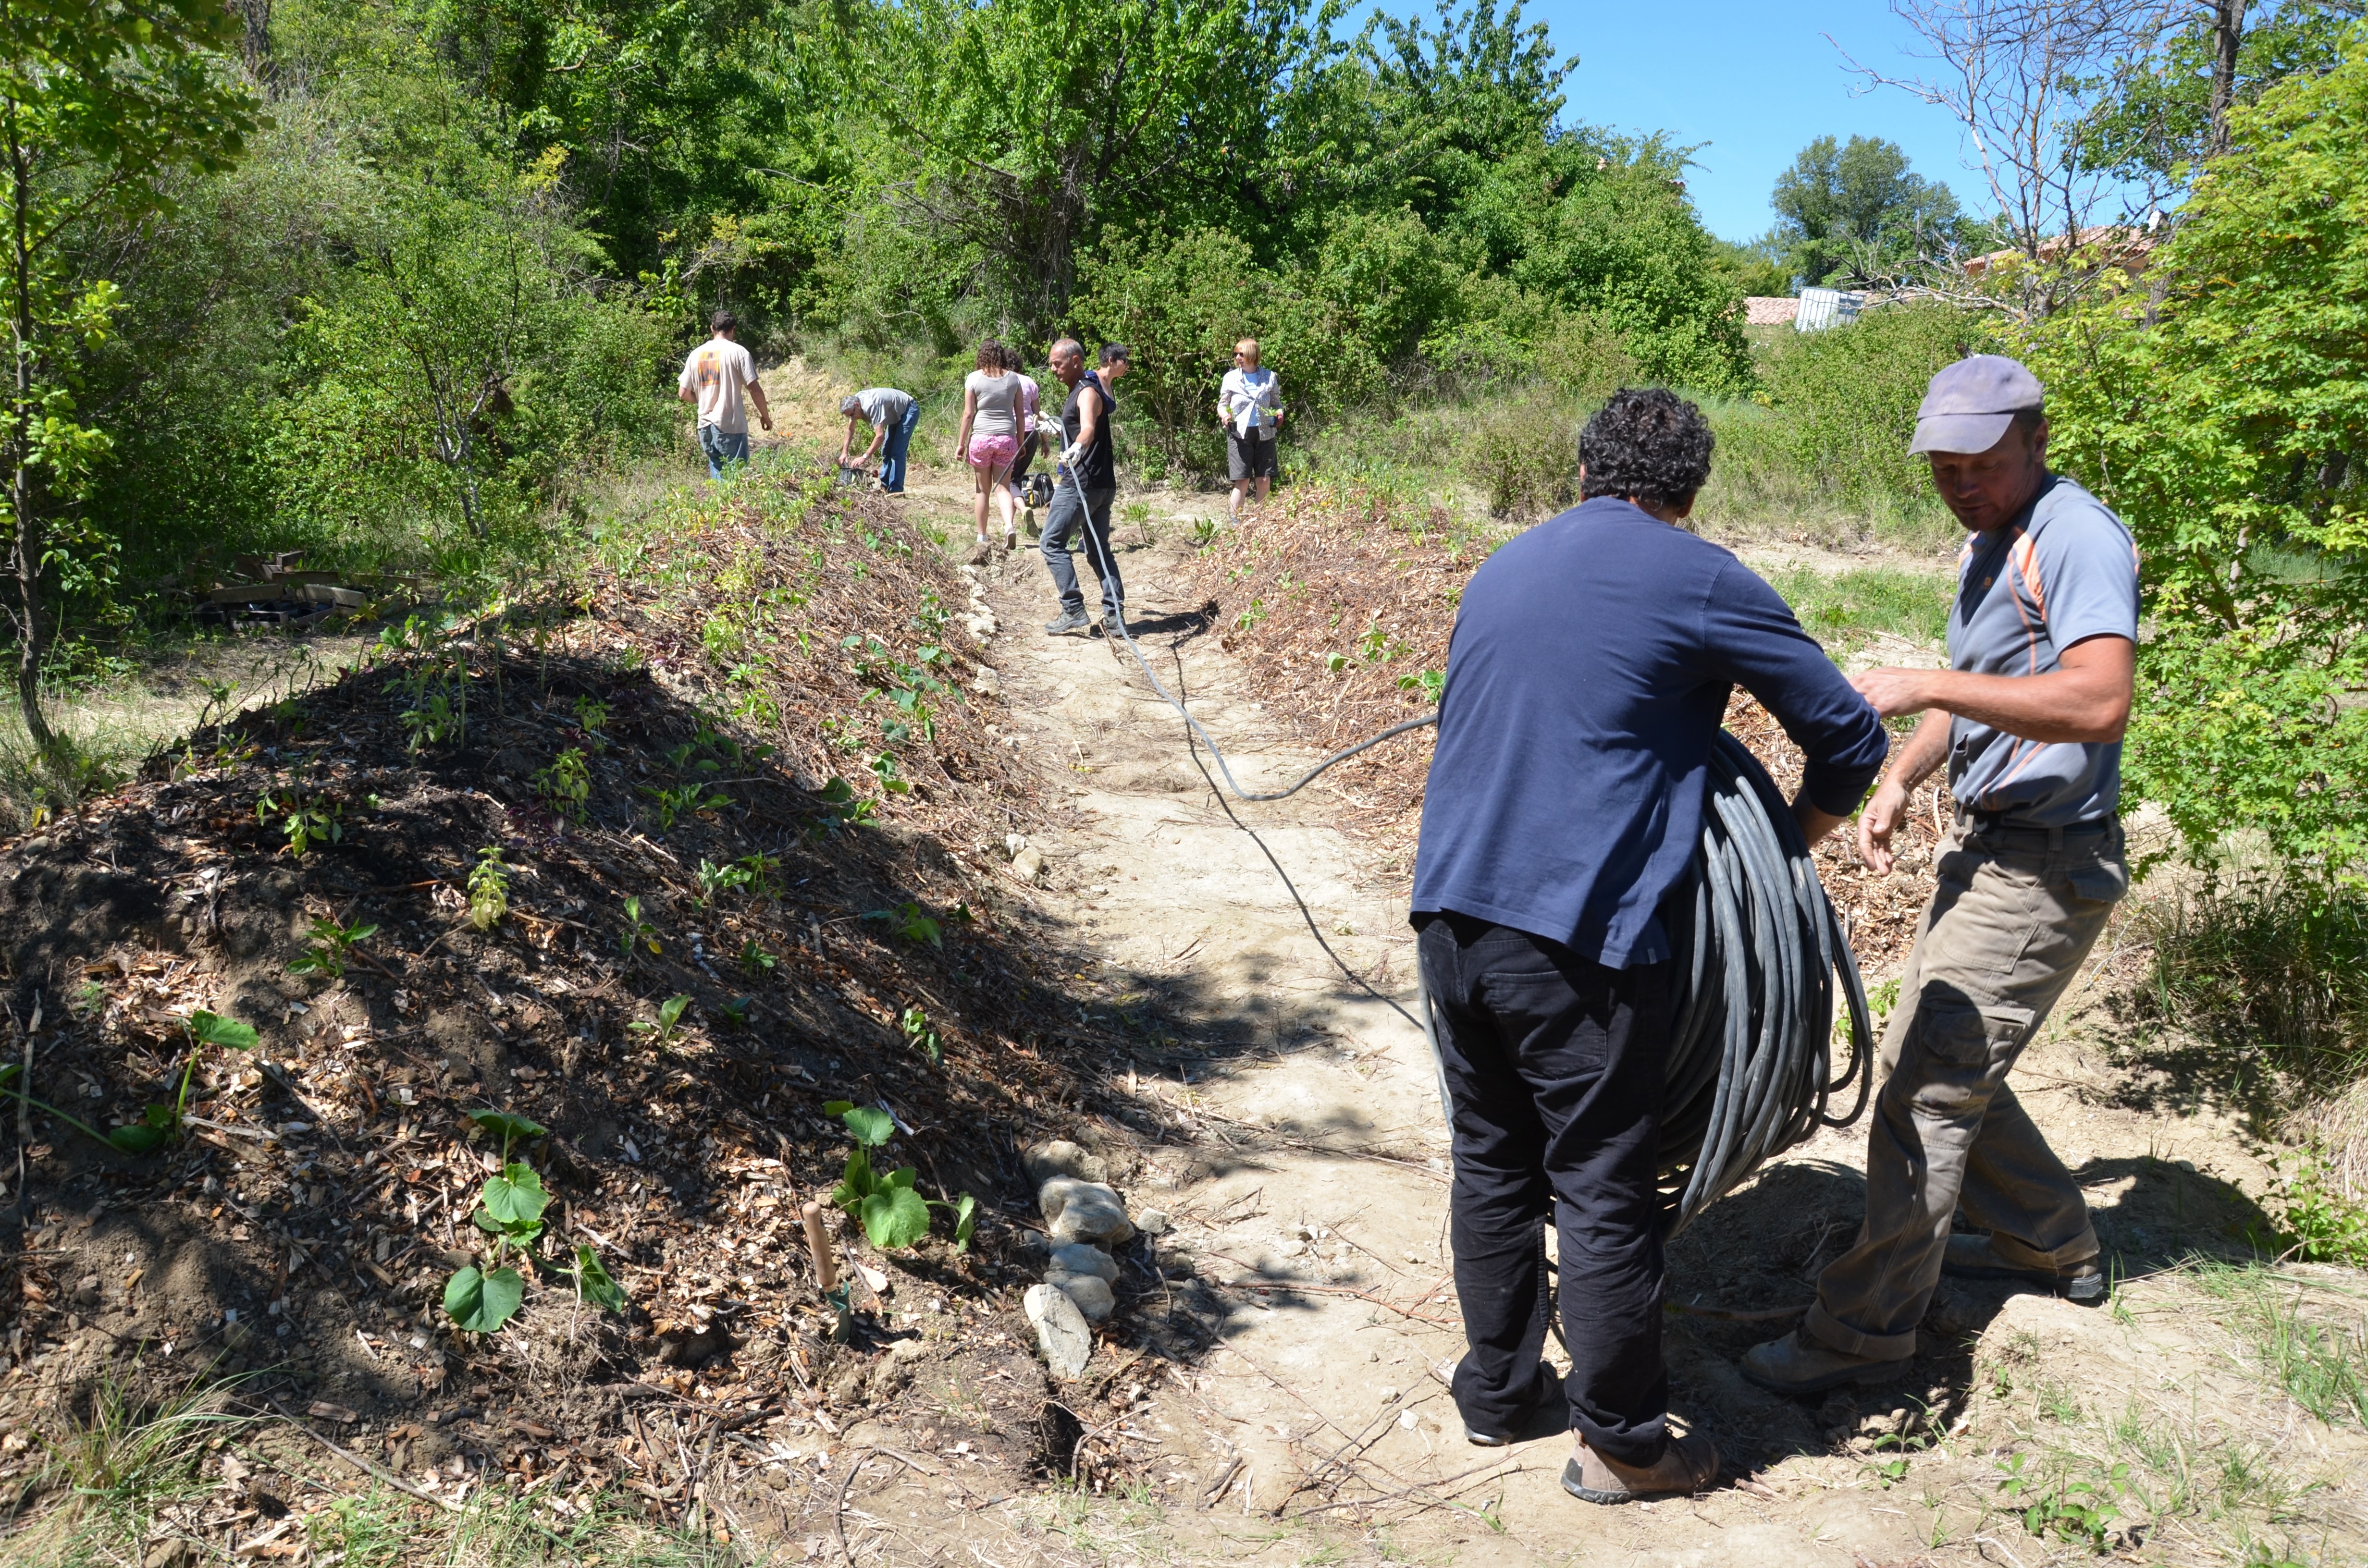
(2013, 917)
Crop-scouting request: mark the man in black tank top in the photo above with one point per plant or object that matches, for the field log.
(1084, 486)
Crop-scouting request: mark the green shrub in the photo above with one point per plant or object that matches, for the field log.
(1848, 397)
(2270, 967)
(1521, 453)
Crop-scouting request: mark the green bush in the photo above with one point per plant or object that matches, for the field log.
(1521, 453)
(1848, 397)
(2270, 968)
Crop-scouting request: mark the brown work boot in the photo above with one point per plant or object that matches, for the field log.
(1974, 1258)
(1687, 1465)
(1799, 1364)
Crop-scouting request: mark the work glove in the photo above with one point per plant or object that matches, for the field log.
(1072, 454)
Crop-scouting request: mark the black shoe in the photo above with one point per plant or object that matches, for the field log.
(1071, 623)
(1542, 1414)
(1113, 622)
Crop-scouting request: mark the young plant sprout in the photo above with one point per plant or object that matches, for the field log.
(890, 1211)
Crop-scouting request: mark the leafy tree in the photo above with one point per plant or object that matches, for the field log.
(2229, 424)
(97, 99)
(1030, 126)
(1856, 212)
(2165, 111)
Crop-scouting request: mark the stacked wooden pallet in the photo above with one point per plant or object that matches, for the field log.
(278, 592)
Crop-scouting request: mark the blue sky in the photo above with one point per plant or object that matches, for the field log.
(1754, 79)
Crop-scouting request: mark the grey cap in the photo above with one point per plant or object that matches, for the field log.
(1970, 404)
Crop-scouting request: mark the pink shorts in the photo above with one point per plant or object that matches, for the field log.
(993, 451)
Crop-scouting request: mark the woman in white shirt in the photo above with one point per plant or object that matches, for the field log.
(1249, 408)
(989, 441)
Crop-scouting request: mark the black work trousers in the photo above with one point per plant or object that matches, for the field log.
(1555, 1065)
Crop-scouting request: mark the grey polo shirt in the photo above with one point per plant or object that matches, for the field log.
(2065, 570)
(883, 406)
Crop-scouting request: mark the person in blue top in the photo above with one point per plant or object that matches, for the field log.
(2042, 649)
(1591, 664)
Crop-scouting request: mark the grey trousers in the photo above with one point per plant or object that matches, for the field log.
(1088, 512)
(2012, 919)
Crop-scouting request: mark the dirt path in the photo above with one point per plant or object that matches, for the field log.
(1300, 1144)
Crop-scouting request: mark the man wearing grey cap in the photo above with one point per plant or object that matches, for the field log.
(2029, 716)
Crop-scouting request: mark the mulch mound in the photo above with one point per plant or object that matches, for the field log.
(1345, 606)
(733, 767)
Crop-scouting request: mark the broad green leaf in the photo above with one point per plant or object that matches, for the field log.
(159, 1116)
(871, 1126)
(212, 1028)
(595, 1285)
(965, 1221)
(137, 1139)
(482, 1303)
(509, 1125)
(894, 1218)
(836, 1108)
(516, 1197)
(670, 1011)
(903, 1175)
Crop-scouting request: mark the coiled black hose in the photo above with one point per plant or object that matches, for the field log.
(1757, 947)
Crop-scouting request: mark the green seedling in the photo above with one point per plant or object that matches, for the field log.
(715, 881)
(684, 801)
(327, 946)
(638, 931)
(841, 806)
(735, 1012)
(883, 763)
(892, 1214)
(755, 960)
(591, 716)
(1203, 530)
(158, 1124)
(510, 1208)
(489, 889)
(911, 921)
(306, 823)
(669, 1015)
(567, 785)
(1430, 683)
(1335, 663)
(217, 695)
(2078, 1512)
(914, 1023)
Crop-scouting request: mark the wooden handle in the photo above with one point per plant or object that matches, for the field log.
(817, 1242)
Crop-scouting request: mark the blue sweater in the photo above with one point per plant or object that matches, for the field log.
(1591, 664)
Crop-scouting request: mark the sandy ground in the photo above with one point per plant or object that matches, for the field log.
(1301, 1143)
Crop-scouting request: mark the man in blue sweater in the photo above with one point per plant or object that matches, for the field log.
(1592, 663)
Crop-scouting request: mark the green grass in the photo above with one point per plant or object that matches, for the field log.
(1844, 608)
(2308, 1337)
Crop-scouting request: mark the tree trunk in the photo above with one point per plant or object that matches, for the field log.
(2228, 33)
(20, 444)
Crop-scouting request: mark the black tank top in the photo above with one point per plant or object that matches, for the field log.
(1094, 470)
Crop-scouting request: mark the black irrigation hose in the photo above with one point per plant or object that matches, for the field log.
(1756, 946)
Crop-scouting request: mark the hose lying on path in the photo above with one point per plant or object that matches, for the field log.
(1757, 948)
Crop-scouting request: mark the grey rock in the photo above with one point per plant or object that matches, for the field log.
(1090, 1292)
(1061, 1330)
(1152, 1222)
(1079, 1257)
(1084, 1211)
(1063, 1158)
(1029, 864)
